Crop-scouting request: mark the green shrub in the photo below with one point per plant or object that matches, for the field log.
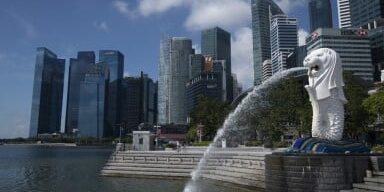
(253, 143)
(202, 143)
(377, 149)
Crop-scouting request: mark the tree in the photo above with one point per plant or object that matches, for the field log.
(286, 105)
(209, 112)
(374, 104)
(355, 114)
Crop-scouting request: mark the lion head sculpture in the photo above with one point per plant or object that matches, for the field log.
(325, 72)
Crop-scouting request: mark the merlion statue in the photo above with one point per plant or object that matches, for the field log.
(325, 89)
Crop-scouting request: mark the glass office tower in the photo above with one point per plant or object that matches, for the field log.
(283, 40)
(320, 14)
(139, 101)
(262, 10)
(77, 69)
(173, 76)
(47, 93)
(115, 61)
(363, 11)
(216, 42)
(92, 119)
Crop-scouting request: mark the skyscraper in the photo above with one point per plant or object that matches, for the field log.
(344, 13)
(196, 62)
(353, 45)
(77, 69)
(173, 76)
(92, 119)
(47, 93)
(267, 69)
(363, 12)
(115, 61)
(139, 101)
(283, 40)
(320, 14)
(262, 10)
(216, 42)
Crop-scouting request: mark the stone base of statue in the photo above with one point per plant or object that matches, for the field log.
(296, 172)
(317, 145)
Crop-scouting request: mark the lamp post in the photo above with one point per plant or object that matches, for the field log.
(157, 134)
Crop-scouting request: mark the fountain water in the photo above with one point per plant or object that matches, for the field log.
(230, 121)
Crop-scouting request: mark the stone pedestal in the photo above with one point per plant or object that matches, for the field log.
(314, 172)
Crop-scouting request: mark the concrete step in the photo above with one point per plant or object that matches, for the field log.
(364, 186)
(150, 169)
(191, 166)
(146, 174)
(362, 190)
(378, 173)
(240, 181)
(255, 177)
(376, 180)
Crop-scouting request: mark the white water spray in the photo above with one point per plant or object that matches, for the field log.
(230, 121)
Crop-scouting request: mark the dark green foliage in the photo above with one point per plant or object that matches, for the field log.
(355, 114)
(286, 106)
(209, 112)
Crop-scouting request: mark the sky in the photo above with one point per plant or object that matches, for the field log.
(133, 27)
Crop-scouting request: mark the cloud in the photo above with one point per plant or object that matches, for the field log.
(289, 5)
(148, 7)
(225, 13)
(126, 74)
(242, 56)
(302, 34)
(101, 25)
(123, 8)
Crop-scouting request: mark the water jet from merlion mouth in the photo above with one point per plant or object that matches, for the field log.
(230, 121)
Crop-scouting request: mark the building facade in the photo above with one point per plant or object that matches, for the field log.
(47, 93)
(173, 76)
(344, 13)
(353, 45)
(93, 102)
(196, 62)
(262, 10)
(139, 101)
(363, 12)
(376, 36)
(283, 40)
(210, 84)
(77, 69)
(320, 14)
(216, 43)
(296, 58)
(115, 61)
(267, 69)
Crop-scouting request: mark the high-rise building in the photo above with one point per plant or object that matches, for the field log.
(47, 94)
(262, 10)
(93, 102)
(320, 14)
(376, 36)
(196, 62)
(210, 84)
(344, 13)
(283, 40)
(115, 61)
(267, 69)
(353, 45)
(363, 11)
(216, 43)
(296, 58)
(173, 76)
(77, 69)
(139, 101)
